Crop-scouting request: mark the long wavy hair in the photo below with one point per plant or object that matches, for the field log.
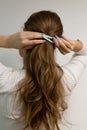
(41, 91)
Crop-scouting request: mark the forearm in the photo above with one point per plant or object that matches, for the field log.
(3, 41)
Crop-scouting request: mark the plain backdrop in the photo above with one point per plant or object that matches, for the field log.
(13, 14)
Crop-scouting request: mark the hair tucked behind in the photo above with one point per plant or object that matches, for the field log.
(41, 91)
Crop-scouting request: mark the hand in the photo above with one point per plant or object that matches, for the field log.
(66, 45)
(24, 40)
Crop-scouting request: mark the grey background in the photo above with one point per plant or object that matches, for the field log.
(13, 14)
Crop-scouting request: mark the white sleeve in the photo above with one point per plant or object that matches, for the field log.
(74, 69)
(9, 77)
(4, 75)
(2, 68)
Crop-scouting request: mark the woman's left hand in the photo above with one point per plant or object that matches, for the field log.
(64, 44)
(24, 39)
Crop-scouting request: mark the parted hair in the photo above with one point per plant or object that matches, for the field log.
(41, 91)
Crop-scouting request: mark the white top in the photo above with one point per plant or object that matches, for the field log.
(9, 78)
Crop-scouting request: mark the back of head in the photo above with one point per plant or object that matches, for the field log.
(44, 21)
(41, 90)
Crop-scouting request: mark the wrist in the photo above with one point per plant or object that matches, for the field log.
(3, 41)
(78, 45)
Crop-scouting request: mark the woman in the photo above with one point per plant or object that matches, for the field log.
(34, 97)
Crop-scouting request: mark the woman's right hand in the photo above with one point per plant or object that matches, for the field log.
(66, 45)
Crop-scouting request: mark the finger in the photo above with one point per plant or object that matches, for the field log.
(27, 42)
(35, 42)
(56, 42)
(62, 46)
(67, 39)
(62, 51)
(33, 35)
(68, 45)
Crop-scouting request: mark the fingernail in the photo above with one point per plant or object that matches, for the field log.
(44, 40)
(54, 38)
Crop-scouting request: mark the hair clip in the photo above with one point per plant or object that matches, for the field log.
(47, 38)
